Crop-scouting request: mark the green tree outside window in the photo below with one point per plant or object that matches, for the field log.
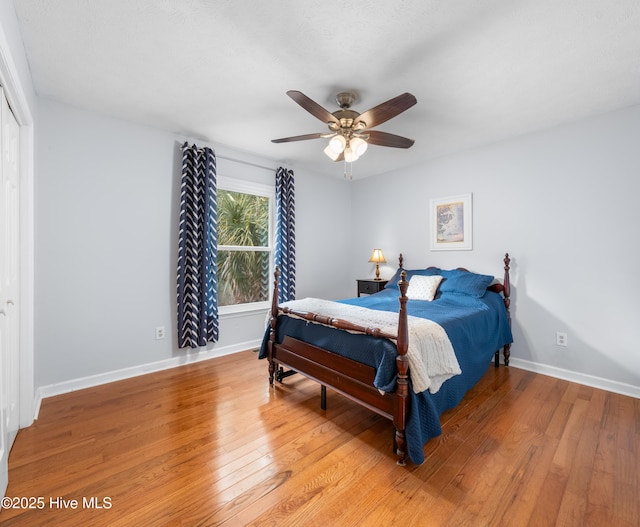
(243, 248)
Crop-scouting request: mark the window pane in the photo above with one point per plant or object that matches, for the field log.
(243, 219)
(243, 276)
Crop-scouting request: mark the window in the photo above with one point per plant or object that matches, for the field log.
(245, 244)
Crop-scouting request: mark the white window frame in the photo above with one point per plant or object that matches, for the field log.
(258, 189)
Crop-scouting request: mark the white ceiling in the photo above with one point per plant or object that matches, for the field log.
(218, 70)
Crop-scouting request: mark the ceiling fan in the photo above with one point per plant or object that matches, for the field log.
(349, 131)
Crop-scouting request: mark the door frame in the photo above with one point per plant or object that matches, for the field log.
(17, 99)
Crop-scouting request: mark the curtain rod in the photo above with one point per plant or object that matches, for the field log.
(271, 169)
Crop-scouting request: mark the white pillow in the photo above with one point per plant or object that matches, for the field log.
(423, 287)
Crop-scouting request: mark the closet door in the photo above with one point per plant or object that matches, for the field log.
(9, 286)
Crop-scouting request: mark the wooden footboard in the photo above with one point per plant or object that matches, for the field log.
(345, 376)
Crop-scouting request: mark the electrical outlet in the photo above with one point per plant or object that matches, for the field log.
(561, 339)
(159, 332)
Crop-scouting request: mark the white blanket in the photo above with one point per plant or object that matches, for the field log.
(430, 354)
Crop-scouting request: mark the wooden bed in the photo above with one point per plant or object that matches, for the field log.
(351, 378)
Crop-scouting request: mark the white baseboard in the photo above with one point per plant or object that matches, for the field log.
(134, 371)
(580, 378)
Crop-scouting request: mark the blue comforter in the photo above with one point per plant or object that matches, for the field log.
(476, 327)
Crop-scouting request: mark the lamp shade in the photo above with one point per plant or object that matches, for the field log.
(337, 144)
(349, 155)
(377, 256)
(358, 145)
(331, 154)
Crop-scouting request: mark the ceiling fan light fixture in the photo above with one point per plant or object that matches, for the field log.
(358, 145)
(331, 154)
(337, 144)
(350, 155)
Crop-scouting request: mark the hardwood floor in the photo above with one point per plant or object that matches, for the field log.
(212, 444)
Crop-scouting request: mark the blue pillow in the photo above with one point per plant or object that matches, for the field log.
(393, 282)
(464, 282)
(460, 299)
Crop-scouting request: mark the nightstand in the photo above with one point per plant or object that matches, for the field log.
(368, 286)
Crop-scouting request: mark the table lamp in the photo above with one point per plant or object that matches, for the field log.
(378, 258)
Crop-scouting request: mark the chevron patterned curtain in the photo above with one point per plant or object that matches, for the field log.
(285, 253)
(197, 249)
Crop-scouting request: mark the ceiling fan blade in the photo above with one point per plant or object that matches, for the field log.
(385, 111)
(386, 139)
(312, 107)
(298, 138)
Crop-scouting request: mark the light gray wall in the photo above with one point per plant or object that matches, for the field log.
(107, 202)
(563, 203)
(323, 237)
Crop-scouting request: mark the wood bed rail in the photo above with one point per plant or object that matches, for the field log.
(337, 323)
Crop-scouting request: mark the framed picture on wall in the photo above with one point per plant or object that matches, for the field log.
(451, 223)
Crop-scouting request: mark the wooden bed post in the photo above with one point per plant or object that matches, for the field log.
(272, 323)
(402, 363)
(507, 302)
